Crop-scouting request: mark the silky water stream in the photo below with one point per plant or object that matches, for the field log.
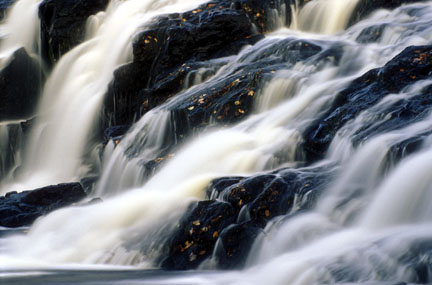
(370, 225)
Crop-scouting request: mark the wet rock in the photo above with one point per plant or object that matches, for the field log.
(228, 100)
(20, 83)
(411, 65)
(115, 133)
(371, 34)
(365, 7)
(240, 209)
(234, 245)
(197, 234)
(162, 51)
(22, 209)
(266, 196)
(11, 141)
(63, 25)
(265, 14)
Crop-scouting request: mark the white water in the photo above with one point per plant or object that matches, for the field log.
(20, 28)
(367, 217)
(324, 17)
(74, 91)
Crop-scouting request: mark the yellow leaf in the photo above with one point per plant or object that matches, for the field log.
(196, 223)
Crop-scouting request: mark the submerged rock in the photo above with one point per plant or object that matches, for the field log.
(63, 24)
(20, 84)
(22, 209)
(365, 7)
(411, 65)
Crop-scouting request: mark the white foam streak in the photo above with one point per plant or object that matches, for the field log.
(398, 201)
(73, 94)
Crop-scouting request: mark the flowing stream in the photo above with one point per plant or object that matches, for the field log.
(372, 215)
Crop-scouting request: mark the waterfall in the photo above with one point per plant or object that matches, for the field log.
(371, 220)
(20, 29)
(74, 91)
(325, 17)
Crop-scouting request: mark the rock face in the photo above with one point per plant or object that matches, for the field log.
(170, 53)
(238, 209)
(254, 201)
(22, 209)
(164, 53)
(20, 84)
(63, 24)
(411, 65)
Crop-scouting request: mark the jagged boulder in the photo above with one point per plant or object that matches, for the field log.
(234, 245)
(20, 84)
(230, 99)
(240, 207)
(166, 51)
(411, 65)
(22, 209)
(63, 24)
(197, 234)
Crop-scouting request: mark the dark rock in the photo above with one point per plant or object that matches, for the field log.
(63, 25)
(264, 13)
(366, 7)
(115, 133)
(11, 141)
(266, 196)
(243, 207)
(20, 84)
(411, 65)
(22, 209)
(162, 52)
(371, 34)
(197, 234)
(234, 245)
(229, 99)
(401, 114)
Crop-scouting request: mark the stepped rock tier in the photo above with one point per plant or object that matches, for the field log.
(215, 142)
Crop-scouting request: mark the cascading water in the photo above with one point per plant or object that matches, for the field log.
(74, 91)
(20, 29)
(367, 225)
(325, 17)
